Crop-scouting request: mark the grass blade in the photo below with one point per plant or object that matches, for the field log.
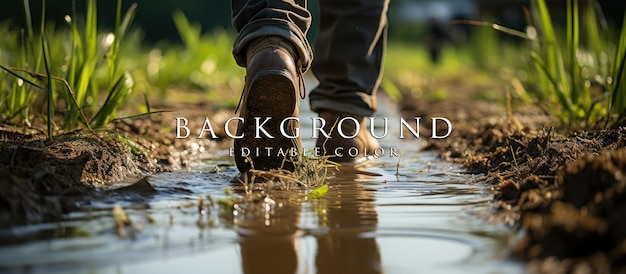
(318, 192)
(29, 20)
(121, 27)
(618, 91)
(149, 113)
(42, 27)
(50, 86)
(573, 40)
(115, 98)
(494, 26)
(145, 99)
(593, 38)
(107, 108)
(188, 33)
(551, 50)
(21, 77)
(563, 98)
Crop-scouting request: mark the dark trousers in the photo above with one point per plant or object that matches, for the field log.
(349, 47)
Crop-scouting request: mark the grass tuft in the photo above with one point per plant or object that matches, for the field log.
(309, 172)
(77, 63)
(568, 76)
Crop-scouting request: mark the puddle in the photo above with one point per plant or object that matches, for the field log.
(422, 217)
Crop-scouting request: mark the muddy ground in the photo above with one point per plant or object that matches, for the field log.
(42, 178)
(563, 191)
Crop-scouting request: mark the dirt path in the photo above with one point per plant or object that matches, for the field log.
(566, 190)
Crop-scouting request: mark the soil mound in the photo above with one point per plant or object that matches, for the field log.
(584, 218)
(42, 178)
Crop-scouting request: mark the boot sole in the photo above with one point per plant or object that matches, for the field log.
(271, 94)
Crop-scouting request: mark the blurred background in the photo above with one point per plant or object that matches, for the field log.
(407, 17)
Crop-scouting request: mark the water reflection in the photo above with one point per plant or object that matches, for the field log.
(384, 224)
(349, 246)
(268, 238)
(345, 233)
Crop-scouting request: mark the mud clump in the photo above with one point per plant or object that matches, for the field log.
(584, 221)
(566, 194)
(563, 190)
(40, 178)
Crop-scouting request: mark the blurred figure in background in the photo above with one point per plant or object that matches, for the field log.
(436, 35)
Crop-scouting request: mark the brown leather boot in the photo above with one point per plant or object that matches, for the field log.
(345, 150)
(270, 92)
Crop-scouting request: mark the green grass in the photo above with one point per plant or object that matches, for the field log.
(80, 77)
(203, 62)
(576, 74)
(16, 97)
(617, 87)
(72, 70)
(573, 75)
(92, 52)
(88, 73)
(580, 87)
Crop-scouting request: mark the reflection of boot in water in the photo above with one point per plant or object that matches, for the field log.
(268, 238)
(347, 247)
(269, 254)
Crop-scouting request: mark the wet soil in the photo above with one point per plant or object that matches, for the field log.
(42, 178)
(564, 191)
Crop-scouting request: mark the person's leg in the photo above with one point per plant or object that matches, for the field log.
(272, 45)
(348, 55)
(253, 19)
(348, 63)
